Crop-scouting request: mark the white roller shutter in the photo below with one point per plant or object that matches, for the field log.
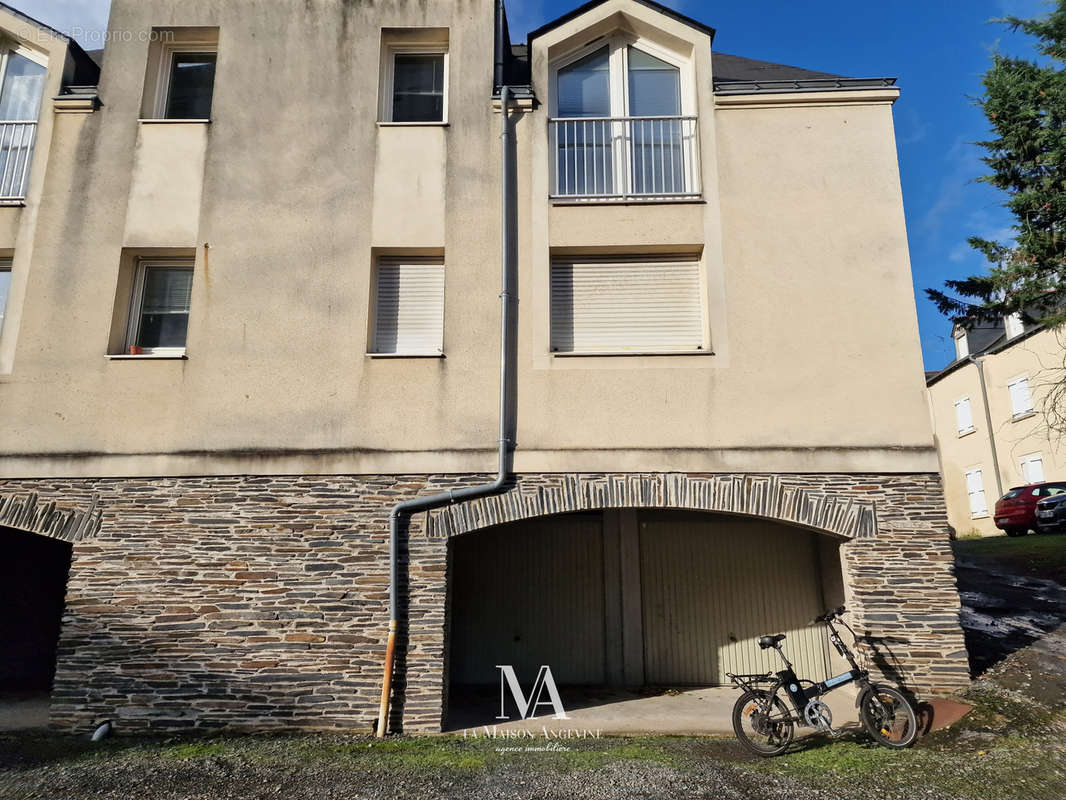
(622, 306)
(409, 307)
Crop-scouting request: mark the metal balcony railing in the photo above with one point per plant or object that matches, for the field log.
(17, 139)
(623, 158)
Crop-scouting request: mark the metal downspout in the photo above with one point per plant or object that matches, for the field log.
(977, 362)
(508, 355)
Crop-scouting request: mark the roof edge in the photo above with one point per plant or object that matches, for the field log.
(802, 85)
(577, 12)
(86, 61)
(994, 349)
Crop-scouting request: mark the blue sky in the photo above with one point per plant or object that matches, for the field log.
(937, 48)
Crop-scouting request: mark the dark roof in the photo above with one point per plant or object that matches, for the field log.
(86, 69)
(577, 12)
(995, 345)
(729, 68)
(97, 56)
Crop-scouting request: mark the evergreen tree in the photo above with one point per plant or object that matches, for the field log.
(1025, 103)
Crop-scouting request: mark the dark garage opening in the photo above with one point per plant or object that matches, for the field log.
(627, 602)
(33, 581)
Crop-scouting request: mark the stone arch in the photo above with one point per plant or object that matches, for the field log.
(28, 513)
(765, 496)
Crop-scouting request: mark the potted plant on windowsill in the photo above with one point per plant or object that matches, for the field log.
(136, 350)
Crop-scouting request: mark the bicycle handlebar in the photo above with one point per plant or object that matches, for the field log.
(828, 616)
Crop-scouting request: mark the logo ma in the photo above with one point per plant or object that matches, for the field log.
(528, 707)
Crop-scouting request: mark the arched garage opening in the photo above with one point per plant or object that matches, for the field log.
(630, 600)
(33, 579)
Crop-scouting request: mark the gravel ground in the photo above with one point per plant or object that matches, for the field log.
(1012, 746)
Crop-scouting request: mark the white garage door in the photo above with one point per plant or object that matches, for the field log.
(712, 586)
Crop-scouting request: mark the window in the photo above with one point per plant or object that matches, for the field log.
(5, 288)
(642, 305)
(619, 127)
(159, 310)
(180, 82)
(963, 416)
(1014, 325)
(1021, 400)
(408, 313)
(962, 345)
(1032, 467)
(190, 86)
(416, 84)
(21, 88)
(976, 490)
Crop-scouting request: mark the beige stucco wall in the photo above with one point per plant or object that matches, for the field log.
(816, 363)
(19, 223)
(1040, 357)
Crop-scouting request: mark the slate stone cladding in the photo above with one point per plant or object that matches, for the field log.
(261, 602)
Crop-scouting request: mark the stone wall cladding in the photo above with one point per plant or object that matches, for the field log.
(261, 602)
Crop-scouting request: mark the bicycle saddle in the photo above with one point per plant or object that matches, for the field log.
(766, 642)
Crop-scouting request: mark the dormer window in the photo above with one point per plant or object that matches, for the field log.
(962, 346)
(1014, 326)
(619, 126)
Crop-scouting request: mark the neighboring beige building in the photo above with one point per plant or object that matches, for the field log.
(988, 410)
(259, 306)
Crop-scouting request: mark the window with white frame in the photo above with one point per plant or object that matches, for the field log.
(408, 313)
(159, 308)
(623, 122)
(1032, 467)
(1013, 325)
(963, 416)
(5, 288)
(415, 87)
(635, 305)
(185, 84)
(22, 77)
(975, 488)
(962, 344)
(1021, 398)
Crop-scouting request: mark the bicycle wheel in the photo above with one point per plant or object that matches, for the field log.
(764, 728)
(888, 717)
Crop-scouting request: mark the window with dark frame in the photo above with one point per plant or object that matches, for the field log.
(191, 85)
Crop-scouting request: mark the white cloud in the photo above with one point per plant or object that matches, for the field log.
(83, 20)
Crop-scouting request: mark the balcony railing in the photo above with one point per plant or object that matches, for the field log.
(17, 140)
(625, 158)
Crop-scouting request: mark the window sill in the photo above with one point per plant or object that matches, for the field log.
(405, 355)
(967, 432)
(148, 357)
(154, 121)
(412, 124)
(13, 203)
(1021, 416)
(613, 353)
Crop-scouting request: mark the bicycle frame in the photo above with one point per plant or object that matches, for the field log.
(787, 679)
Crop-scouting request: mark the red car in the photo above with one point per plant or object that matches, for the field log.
(1016, 510)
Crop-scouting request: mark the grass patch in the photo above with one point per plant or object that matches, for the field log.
(1035, 555)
